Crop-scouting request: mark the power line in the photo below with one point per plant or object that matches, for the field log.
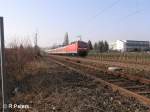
(105, 9)
(130, 15)
(137, 5)
(133, 13)
(137, 11)
(123, 18)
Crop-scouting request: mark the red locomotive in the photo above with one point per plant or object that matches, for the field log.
(75, 48)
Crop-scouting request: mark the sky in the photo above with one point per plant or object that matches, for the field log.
(91, 19)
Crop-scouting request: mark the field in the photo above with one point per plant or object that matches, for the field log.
(132, 63)
(130, 57)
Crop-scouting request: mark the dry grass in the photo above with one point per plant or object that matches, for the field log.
(34, 67)
(17, 56)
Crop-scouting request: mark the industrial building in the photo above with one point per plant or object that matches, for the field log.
(129, 45)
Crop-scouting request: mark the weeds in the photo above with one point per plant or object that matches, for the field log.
(17, 56)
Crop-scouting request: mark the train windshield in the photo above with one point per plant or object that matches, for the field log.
(82, 44)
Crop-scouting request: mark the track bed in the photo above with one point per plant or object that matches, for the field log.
(57, 88)
(127, 86)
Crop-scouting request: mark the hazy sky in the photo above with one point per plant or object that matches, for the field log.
(92, 19)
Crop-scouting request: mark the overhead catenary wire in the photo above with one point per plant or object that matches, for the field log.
(137, 11)
(129, 15)
(137, 5)
(105, 9)
(132, 13)
(101, 12)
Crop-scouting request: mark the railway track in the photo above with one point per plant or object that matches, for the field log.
(124, 85)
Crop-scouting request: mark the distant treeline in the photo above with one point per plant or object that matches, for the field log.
(100, 46)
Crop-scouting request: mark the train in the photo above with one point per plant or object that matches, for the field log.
(77, 48)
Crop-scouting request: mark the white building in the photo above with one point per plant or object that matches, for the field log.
(129, 45)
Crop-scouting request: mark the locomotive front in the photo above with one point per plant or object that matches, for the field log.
(82, 48)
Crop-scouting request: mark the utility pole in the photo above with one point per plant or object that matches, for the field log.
(80, 37)
(36, 48)
(2, 68)
(35, 41)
